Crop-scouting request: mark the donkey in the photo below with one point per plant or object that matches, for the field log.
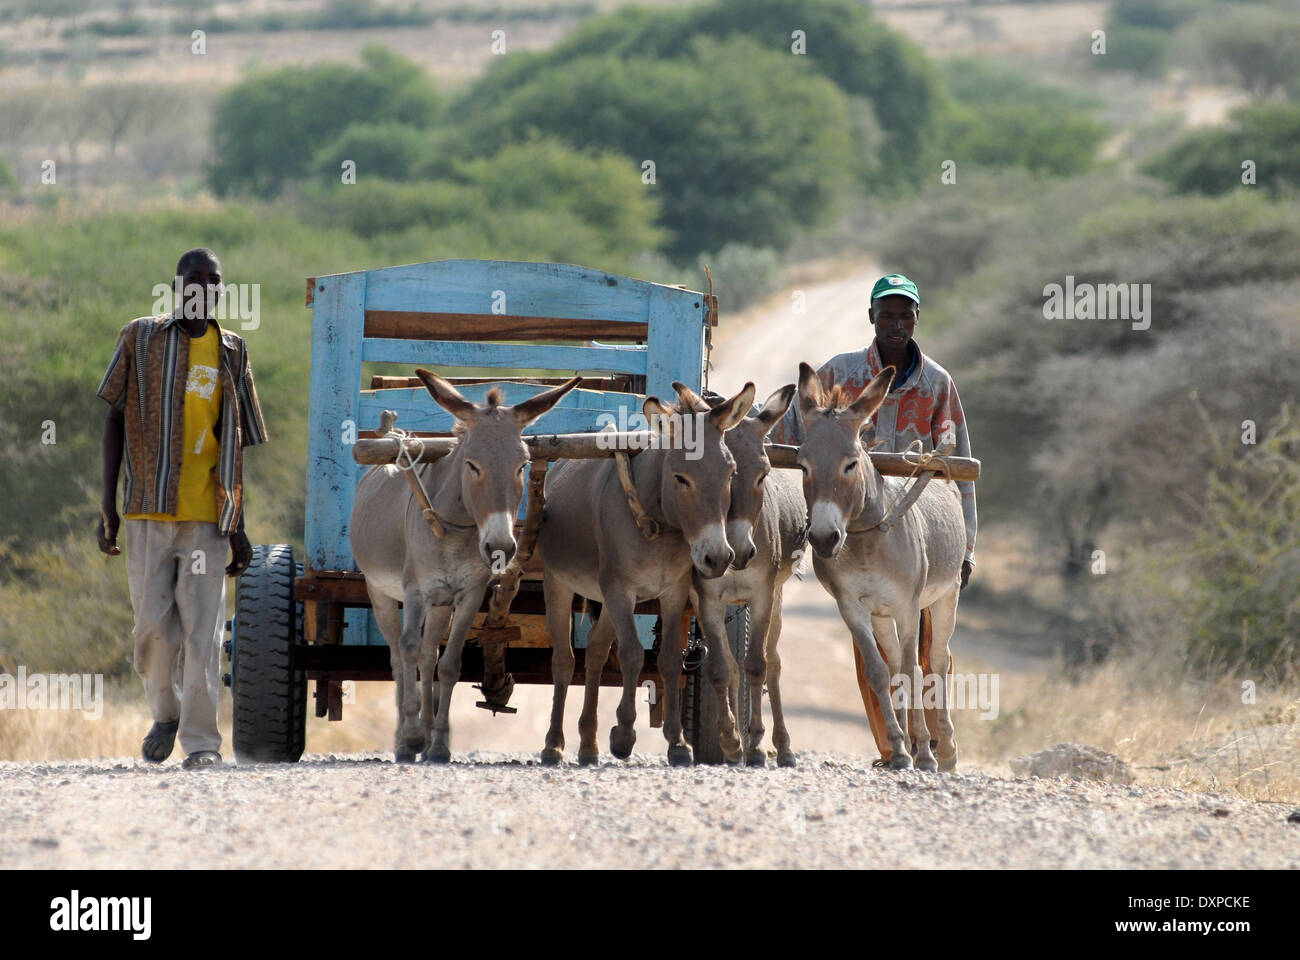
(591, 546)
(882, 574)
(765, 527)
(475, 490)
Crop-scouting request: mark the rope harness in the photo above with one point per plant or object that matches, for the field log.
(922, 463)
(409, 450)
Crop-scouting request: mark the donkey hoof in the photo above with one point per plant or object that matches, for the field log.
(756, 758)
(679, 755)
(404, 755)
(620, 742)
(900, 761)
(948, 764)
(437, 754)
(785, 758)
(552, 757)
(929, 766)
(733, 759)
(588, 759)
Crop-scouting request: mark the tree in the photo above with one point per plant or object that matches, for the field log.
(269, 127)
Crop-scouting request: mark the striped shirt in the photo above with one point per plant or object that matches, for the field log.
(924, 407)
(146, 381)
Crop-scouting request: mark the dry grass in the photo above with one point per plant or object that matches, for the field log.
(1198, 737)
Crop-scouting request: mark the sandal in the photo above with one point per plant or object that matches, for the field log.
(204, 758)
(159, 741)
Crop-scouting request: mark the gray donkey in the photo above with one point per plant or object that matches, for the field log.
(882, 572)
(765, 526)
(591, 546)
(475, 490)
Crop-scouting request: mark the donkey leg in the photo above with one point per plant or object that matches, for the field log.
(599, 642)
(943, 619)
(859, 623)
(410, 736)
(389, 617)
(780, 735)
(672, 608)
(435, 628)
(719, 666)
(631, 658)
(909, 636)
(559, 624)
(886, 633)
(467, 604)
(760, 620)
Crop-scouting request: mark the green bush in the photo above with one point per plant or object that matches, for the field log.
(746, 143)
(595, 203)
(269, 126)
(1141, 50)
(742, 275)
(1210, 161)
(1259, 46)
(1040, 138)
(1244, 606)
(845, 43)
(1156, 14)
(390, 151)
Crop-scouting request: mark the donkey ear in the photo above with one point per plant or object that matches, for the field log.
(532, 408)
(690, 400)
(448, 397)
(811, 395)
(726, 415)
(663, 418)
(774, 408)
(873, 396)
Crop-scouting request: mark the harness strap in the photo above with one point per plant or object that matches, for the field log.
(409, 450)
(924, 462)
(647, 524)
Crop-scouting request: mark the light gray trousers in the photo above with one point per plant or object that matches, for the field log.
(177, 575)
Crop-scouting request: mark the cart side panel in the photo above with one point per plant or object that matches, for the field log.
(332, 474)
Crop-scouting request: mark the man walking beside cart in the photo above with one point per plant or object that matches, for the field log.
(922, 410)
(182, 405)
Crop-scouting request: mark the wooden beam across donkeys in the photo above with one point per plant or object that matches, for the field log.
(587, 446)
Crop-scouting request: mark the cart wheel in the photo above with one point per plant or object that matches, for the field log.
(700, 706)
(270, 698)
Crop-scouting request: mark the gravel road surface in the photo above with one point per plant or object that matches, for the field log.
(505, 810)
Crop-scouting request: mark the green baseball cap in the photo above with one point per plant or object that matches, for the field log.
(895, 284)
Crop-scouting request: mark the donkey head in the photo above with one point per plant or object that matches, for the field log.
(752, 467)
(696, 470)
(488, 462)
(837, 473)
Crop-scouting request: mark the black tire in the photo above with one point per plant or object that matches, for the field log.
(270, 698)
(700, 706)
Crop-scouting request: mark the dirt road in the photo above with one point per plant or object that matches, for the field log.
(503, 810)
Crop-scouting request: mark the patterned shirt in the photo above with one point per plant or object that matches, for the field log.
(146, 381)
(924, 407)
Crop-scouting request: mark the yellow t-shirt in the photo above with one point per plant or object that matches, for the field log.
(197, 497)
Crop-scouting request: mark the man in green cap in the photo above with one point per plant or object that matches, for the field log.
(922, 405)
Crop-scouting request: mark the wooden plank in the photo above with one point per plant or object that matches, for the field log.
(332, 474)
(512, 288)
(573, 446)
(515, 356)
(419, 325)
(676, 344)
(579, 411)
(890, 464)
(620, 384)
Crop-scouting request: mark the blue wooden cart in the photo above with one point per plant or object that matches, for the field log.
(482, 323)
